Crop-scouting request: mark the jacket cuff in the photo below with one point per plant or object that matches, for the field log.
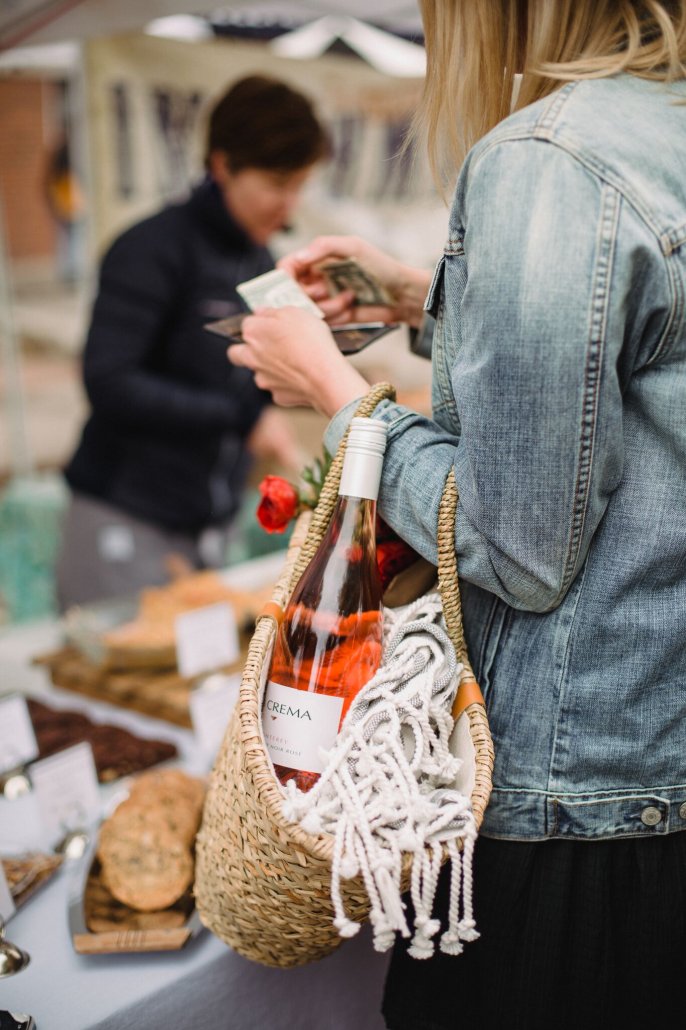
(387, 411)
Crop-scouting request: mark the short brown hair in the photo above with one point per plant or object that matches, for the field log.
(263, 123)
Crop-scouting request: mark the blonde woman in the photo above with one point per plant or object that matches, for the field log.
(559, 403)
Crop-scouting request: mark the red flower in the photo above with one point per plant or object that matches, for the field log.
(279, 504)
(392, 556)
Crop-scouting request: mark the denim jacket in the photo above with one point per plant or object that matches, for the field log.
(559, 400)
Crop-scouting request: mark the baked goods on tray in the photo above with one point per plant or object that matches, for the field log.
(149, 638)
(145, 848)
(28, 871)
(117, 751)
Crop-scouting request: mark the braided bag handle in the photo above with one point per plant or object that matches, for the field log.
(468, 699)
(329, 492)
(448, 583)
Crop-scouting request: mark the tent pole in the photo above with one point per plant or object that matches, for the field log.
(19, 451)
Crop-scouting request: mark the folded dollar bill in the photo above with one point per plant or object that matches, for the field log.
(276, 289)
(350, 275)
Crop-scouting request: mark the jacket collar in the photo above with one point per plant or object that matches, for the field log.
(206, 204)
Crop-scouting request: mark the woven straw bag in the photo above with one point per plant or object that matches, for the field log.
(262, 883)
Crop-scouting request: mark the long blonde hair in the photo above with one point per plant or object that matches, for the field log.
(474, 49)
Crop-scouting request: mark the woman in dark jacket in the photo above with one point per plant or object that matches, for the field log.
(163, 456)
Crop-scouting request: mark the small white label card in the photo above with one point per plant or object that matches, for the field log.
(212, 705)
(296, 723)
(66, 789)
(206, 638)
(6, 900)
(17, 740)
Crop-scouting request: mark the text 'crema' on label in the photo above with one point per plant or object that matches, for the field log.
(297, 723)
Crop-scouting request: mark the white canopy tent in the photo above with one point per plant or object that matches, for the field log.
(35, 21)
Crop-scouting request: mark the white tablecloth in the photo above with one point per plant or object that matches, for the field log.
(205, 986)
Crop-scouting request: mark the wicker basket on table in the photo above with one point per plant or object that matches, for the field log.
(262, 883)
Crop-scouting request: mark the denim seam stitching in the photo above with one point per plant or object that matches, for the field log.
(676, 312)
(485, 642)
(614, 801)
(562, 685)
(663, 235)
(553, 109)
(438, 354)
(442, 375)
(404, 415)
(618, 794)
(607, 232)
(439, 272)
(619, 835)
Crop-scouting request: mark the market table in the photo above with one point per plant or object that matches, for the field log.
(205, 985)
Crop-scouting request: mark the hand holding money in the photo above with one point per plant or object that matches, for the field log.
(353, 281)
(294, 356)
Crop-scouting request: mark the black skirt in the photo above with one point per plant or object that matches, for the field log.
(582, 934)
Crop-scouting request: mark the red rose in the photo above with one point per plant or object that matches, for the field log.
(279, 504)
(392, 556)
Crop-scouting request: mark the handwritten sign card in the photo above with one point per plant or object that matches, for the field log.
(206, 639)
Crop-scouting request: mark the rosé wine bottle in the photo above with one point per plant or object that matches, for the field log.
(329, 643)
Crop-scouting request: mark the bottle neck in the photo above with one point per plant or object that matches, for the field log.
(361, 474)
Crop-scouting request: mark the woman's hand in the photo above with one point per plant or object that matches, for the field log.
(406, 285)
(295, 357)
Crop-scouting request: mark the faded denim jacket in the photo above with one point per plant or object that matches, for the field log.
(559, 400)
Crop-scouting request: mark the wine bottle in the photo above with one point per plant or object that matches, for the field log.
(329, 642)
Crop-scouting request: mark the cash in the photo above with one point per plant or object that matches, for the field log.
(350, 275)
(276, 289)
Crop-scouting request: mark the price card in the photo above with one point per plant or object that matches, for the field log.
(6, 900)
(66, 789)
(206, 638)
(17, 740)
(211, 706)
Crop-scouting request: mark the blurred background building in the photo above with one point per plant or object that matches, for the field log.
(102, 106)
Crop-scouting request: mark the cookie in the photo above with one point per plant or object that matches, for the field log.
(147, 870)
(172, 782)
(140, 812)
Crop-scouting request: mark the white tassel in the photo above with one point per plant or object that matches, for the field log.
(408, 840)
(467, 925)
(383, 940)
(467, 930)
(451, 944)
(388, 789)
(346, 927)
(428, 927)
(311, 822)
(421, 947)
(350, 867)
(290, 811)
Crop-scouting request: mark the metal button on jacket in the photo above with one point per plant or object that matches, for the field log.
(682, 810)
(651, 816)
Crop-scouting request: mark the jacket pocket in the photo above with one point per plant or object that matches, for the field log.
(433, 297)
(486, 619)
(495, 634)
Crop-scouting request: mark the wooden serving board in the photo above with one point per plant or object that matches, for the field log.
(130, 941)
(101, 925)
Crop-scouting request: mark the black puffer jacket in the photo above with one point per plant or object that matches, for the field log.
(166, 438)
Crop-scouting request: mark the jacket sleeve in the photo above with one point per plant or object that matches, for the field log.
(535, 309)
(141, 281)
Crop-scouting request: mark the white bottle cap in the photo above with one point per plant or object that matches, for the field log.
(363, 458)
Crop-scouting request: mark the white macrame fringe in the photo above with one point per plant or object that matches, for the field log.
(388, 789)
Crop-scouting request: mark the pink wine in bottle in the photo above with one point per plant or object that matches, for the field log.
(329, 643)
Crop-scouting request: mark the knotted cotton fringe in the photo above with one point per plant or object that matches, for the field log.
(388, 789)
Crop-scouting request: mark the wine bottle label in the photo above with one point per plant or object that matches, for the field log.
(297, 723)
